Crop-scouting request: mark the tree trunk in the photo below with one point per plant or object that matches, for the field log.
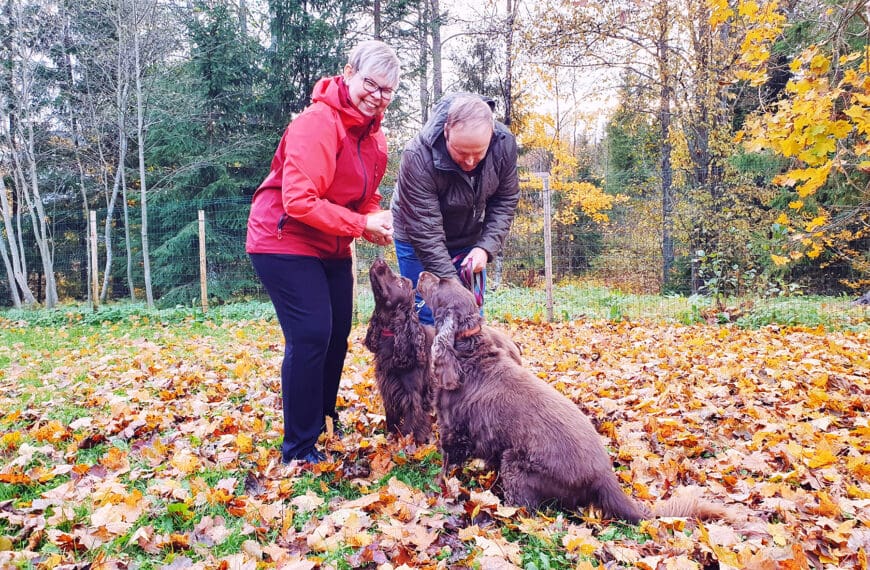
(140, 136)
(507, 94)
(127, 241)
(376, 13)
(423, 42)
(665, 154)
(17, 281)
(38, 218)
(435, 26)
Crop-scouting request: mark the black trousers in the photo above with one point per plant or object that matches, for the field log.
(313, 300)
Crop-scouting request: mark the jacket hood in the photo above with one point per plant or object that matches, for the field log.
(333, 91)
(434, 127)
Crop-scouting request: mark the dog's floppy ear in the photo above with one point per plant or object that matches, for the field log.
(406, 344)
(373, 334)
(445, 366)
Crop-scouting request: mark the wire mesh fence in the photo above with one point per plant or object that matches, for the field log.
(568, 272)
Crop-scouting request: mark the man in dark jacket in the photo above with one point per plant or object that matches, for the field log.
(456, 193)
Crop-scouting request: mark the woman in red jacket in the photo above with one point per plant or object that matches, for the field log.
(320, 194)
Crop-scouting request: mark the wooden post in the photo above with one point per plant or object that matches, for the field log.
(548, 246)
(95, 272)
(203, 286)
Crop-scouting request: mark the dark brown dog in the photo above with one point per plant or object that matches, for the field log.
(402, 348)
(489, 407)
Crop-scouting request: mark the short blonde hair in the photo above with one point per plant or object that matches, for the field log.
(469, 111)
(376, 58)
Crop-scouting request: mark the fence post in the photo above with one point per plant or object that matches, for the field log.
(203, 286)
(95, 272)
(548, 244)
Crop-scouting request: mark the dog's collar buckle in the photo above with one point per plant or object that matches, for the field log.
(468, 332)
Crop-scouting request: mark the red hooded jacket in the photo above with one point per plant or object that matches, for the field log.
(323, 179)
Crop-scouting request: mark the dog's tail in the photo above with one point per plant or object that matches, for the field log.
(615, 503)
(688, 502)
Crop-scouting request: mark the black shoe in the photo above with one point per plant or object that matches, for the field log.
(312, 457)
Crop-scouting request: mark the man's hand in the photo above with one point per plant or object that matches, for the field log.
(379, 227)
(476, 259)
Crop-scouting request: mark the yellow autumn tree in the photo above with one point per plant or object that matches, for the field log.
(576, 202)
(822, 127)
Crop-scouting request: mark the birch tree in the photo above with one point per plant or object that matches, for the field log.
(142, 18)
(25, 99)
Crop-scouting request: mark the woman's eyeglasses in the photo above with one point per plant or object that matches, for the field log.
(371, 87)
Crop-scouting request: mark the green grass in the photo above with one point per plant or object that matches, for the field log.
(422, 474)
(41, 329)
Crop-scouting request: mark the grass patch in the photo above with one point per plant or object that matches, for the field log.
(21, 494)
(571, 301)
(417, 474)
(539, 552)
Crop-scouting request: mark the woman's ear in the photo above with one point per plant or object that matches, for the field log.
(445, 366)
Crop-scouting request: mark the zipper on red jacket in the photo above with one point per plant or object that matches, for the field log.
(281, 221)
(362, 163)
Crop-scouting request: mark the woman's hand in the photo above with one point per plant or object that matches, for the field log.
(379, 228)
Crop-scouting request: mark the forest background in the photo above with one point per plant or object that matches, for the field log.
(691, 146)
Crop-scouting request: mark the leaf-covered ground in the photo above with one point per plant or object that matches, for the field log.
(147, 445)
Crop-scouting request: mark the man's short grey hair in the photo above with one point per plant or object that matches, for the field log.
(374, 57)
(469, 111)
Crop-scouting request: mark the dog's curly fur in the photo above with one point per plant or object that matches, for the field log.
(489, 407)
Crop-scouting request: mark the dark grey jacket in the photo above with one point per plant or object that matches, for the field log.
(436, 206)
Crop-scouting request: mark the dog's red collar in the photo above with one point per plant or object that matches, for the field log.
(469, 332)
(387, 332)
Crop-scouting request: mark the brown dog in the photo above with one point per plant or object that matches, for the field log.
(402, 348)
(489, 407)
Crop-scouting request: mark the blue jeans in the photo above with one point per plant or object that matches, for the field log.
(411, 267)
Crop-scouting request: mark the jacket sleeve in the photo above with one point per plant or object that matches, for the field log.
(502, 205)
(309, 149)
(422, 213)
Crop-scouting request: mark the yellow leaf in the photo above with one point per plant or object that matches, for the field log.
(779, 260)
(186, 462)
(823, 456)
(10, 440)
(820, 65)
(796, 204)
(828, 507)
(244, 442)
(782, 219)
(777, 531)
(816, 222)
(816, 179)
(747, 9)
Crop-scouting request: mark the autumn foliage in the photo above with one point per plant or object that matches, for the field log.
(157, 445)
(822, 127)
